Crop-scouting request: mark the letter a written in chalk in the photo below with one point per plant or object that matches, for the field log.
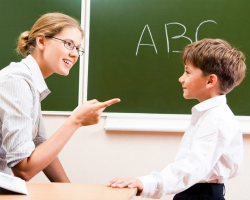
(152, 44)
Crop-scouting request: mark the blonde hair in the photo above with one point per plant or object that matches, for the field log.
(216, 56)
(48, 24)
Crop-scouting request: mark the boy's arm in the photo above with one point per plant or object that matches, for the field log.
(192, 166)
(127, 182)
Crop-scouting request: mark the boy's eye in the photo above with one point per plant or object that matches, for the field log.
(187, 72)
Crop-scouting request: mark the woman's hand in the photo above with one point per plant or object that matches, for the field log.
(90, 112)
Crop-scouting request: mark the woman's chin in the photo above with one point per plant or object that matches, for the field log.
(64, 73)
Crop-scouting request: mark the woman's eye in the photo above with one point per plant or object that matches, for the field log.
(69, 44)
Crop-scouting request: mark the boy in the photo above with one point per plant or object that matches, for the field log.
(211, 149)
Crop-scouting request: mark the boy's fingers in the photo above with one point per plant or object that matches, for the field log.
(117, 183)
(113, 181)
(132, 185)
(108, 103)
(124, 184)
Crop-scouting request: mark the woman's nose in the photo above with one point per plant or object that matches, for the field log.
(74, 52)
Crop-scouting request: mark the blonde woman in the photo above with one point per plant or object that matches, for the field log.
(51, 46)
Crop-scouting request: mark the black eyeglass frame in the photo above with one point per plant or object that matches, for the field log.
(80, 50)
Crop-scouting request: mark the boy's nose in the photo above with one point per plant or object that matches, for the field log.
(181, 79)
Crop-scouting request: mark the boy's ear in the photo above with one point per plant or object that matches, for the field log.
(40, 42)
(212, 80)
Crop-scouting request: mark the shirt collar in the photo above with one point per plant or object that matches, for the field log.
(206, 105)
(37, 76)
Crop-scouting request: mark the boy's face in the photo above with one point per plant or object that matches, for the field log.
(194, 83)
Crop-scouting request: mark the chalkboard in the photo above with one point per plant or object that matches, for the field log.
(17, 16)
(135, 45)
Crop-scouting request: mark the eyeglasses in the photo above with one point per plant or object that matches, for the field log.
(69, 44)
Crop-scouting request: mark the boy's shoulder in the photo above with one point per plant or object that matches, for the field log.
(221, 117)
(221, 112)
(215, 112)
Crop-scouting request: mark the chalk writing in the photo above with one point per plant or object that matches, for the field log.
(139, 43)
(167, 37)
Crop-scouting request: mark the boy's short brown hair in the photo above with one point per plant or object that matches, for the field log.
(216, 56)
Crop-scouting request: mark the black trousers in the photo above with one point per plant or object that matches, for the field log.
(202, 191)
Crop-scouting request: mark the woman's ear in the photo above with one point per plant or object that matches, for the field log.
(40, 42)
(212, 80)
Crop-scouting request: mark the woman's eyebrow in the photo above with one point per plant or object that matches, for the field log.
(79, 45)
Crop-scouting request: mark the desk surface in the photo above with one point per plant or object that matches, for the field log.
(66, 191)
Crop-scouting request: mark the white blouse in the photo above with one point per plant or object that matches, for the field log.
(22, 88)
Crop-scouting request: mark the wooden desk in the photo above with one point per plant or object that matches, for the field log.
(71, 191)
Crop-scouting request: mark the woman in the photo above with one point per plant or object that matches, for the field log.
(51, 46)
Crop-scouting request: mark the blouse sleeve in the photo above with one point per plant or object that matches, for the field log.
(15, 110)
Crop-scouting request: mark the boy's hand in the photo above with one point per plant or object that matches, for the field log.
(90, 112)
(127, 182)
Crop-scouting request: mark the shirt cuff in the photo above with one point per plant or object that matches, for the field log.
(149, 186)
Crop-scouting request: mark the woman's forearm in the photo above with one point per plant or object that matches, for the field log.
(55, 172)
(87, 114)
(45, 153)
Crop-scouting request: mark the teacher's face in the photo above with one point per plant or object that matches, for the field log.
(57, 56)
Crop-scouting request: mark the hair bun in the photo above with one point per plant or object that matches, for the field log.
(23, 46)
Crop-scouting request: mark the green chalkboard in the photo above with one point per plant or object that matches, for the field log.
(17, 16)
(145, 77)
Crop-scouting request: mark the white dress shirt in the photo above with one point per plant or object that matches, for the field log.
(22, 88)
(211, 151)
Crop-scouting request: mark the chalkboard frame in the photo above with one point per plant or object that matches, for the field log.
(142, 121)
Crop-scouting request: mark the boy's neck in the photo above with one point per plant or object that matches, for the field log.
(209, 96)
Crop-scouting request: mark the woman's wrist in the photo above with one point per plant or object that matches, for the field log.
(73, 122)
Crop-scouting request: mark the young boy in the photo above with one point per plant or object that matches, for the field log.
(211, 149)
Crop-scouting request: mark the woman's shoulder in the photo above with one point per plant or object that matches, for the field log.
(15, 70)
(16, 76)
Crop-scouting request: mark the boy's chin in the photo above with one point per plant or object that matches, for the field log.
(186, 97)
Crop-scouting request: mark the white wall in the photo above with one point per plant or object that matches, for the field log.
(95, 156)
